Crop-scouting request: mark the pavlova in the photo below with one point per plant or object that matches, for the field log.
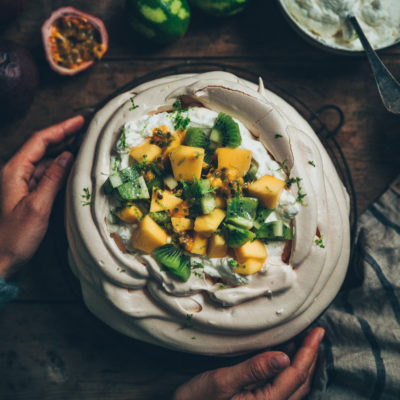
(203, 210)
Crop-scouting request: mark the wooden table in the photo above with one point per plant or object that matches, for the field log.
(51, 347)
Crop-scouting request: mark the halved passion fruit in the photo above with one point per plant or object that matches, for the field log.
(73, 40)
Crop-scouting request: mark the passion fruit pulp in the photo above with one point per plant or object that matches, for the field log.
(73, 40)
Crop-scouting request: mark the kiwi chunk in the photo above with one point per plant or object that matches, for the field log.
(173, 259)
(237, 237)
(262, 215)
(251, 173)
(274, 231)
(195, 137)
(227, 129)
(162, 219)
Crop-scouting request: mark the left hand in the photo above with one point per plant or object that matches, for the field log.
(29, 183)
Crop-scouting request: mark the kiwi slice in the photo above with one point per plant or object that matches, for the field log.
(237, 237)
(251, 173)
(228, 129)
(172, 258)
(195, 137)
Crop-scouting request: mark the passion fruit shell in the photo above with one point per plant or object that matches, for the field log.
(73, 40)
(18, 79)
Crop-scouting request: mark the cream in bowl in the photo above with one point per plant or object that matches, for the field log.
(217, 223)
(325, 21)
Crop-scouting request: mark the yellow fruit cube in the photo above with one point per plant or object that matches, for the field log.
(255, 250)
(145, 152)
(163, 200)
(186, 162)
(249, 267)
(199, 245)
(149, 236)
(130, 213)
(217, 247)
(236, 159)
(180, 224)
(176, 140)
(267, 189)
(208, 224)
(220, 202)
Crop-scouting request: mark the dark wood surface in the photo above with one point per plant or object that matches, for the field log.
(51, 347)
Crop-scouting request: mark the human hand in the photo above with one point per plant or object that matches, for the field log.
(266, 376)
(29, 183)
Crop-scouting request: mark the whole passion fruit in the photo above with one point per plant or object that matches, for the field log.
(18, 79)
(221, 8)
(73, 40)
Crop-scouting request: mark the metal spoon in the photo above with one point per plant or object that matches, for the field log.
(388, 86)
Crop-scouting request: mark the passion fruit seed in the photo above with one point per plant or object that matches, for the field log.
(74, 41)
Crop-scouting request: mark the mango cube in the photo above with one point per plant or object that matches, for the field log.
(180, 224)
(236, 159)
(255, 250)
(130, 214)
(149, 236)
(176, 140)
(208, 224)
(267, 189)
(145, 152)
(249, 267)
(163, 200)
(217, 247)
(186, 162)
(199, 245)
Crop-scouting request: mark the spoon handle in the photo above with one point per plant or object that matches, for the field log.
(389, 88)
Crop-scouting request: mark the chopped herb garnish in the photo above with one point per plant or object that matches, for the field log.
(320, 242)
(86, 197)
(312, 163)
(133, 105)
(222, 286)
(116, 163)
(122, 140)
(193, 337)
(181, 122)
(284, 167)
(197, 265)
(278, 136)
(177, 105)
(300, 194)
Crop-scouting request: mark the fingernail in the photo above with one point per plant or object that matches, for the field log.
(64, 159)
(279, 362)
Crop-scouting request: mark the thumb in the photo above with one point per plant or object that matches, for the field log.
(53, 179)
(257, 369)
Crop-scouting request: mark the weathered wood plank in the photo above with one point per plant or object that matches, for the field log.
(260, 31)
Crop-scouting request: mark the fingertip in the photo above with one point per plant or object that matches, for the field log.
(279, 362)
(314, 338)
(65, 159)
(73, 124)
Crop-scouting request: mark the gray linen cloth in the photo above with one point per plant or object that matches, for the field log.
(362, 343)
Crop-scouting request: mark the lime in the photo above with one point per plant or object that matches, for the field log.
(161, 21)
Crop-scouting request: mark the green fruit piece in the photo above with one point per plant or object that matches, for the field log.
(207, 203)
(162, 219)
(161, 21)
(275, 231)
(195, 137)
(245, 207)
(251, 173)
(229, 130)
(220, 7)
(237, 237)
(172, 258)
(262, 215)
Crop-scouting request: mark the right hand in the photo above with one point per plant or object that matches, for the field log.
(266, 376)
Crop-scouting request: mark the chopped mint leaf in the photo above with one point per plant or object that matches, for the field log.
(300, 194)
(222, 286)
(122, 140)
(177, 105)
(133, 105)
(86, 197)
(284, 167)
(312, 163)
(278, 136)
(320, 242)
(181, 122)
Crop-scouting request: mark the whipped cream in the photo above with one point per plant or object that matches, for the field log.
(326, 21)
